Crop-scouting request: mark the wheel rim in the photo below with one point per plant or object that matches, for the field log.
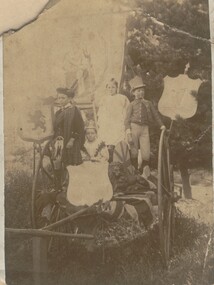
(165, 205)
(58, 212)
(43, 177)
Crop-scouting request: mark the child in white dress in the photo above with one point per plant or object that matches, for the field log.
(89, 182)
(111, 116)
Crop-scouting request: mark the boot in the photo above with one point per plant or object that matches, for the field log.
(144, 163)
(110, 152)
(134, 161)
(58, 178)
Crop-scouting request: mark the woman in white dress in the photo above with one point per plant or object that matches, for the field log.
(111, 116)
(89, 182)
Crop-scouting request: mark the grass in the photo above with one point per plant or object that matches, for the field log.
(17, 198)
(139, 262)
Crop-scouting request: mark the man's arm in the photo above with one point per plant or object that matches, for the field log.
(127, 121)
(156, 115)
(78, 127)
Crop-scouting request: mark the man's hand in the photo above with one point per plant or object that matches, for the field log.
(94, 159)
(70, 143)
(163, 128)
(129, 139)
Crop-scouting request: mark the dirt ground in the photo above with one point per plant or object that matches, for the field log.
(201, 206)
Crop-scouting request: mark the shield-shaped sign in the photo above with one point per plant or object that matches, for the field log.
(179, 97)
(36, 122)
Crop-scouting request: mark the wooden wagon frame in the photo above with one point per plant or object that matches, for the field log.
(166, 195)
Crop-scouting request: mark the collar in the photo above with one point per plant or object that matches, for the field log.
(139, 100)
(91, 143)
(69, 105)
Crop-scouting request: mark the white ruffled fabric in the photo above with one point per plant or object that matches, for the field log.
(111, 117)
(92, 147)
(89, 183)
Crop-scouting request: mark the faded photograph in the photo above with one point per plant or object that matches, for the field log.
(108, 145)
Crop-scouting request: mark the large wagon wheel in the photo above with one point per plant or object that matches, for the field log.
(165, 199)
(44, 182)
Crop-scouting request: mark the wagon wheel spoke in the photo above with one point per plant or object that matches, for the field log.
(47, 210)
(48, 175)
(43, 182)
(52, 220)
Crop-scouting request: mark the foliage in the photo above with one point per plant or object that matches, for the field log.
(137, 262)
(155, 50)
(17, 199)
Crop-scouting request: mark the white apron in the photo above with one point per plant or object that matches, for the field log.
(89, 183)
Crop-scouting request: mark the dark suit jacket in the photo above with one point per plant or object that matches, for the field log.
(136, 114)
(69, 124)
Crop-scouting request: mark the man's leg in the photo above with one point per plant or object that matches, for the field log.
(135, 129)
(58, 171)
(144, 147)
(111, 152)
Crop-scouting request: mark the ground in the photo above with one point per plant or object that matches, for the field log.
(139, 262)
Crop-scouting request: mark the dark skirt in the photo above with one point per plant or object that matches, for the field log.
(72, 156)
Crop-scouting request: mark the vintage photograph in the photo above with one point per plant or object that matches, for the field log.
(108, 144)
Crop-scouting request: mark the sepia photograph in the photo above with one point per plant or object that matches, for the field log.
(108, 171)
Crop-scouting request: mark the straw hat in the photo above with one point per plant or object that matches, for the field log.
(69, 92)
(136, 82)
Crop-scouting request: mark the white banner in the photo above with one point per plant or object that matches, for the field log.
(69, 42)
(179, 97)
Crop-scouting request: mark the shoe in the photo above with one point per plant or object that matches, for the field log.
(146, 172)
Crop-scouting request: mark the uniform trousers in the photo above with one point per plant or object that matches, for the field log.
(140, 138)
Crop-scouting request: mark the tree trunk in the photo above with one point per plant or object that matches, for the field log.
(187, 190)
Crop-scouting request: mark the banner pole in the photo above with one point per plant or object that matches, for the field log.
(124, 58)
(34, 158)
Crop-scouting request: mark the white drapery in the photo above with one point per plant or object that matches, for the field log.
(74, 40)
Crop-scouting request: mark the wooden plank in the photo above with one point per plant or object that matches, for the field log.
(45, 233)
(68, 219)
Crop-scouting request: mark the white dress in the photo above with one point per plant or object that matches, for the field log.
(111, 116)
(89, 182)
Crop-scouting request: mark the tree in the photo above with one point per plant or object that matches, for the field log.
(163, 36)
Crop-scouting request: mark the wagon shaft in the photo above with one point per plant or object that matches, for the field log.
(45, 233)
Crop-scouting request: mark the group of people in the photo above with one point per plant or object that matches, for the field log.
(82, 144)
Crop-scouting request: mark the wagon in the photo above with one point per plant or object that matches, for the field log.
(52, 220)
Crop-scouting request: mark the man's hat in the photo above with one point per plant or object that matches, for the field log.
(69, 92)
(136, 82)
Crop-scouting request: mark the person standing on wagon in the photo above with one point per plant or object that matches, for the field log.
(111, 116)
(69, 133)
(140, 114)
